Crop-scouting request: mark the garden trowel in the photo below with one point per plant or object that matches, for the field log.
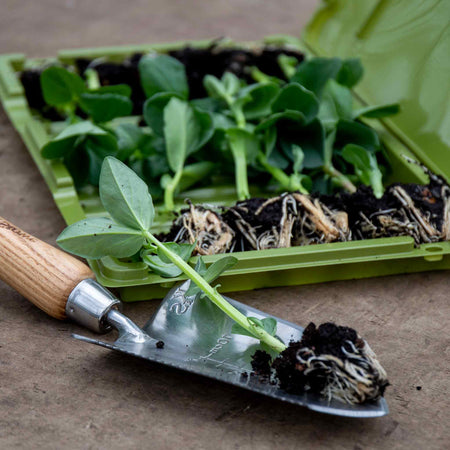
(185, 333)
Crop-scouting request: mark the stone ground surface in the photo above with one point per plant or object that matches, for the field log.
(58, 393)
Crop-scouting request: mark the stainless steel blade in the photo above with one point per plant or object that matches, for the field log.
(197, 337)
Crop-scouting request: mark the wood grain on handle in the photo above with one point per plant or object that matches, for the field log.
(43, 274)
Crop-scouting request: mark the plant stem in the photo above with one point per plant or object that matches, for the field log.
(240, 168)
(285, 181)
(340, 178)
(170, 189)
(92, 79)
(216, 298)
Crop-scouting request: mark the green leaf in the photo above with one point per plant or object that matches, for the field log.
(162, 265)
(125, 196)
(328, 148)
(269, 140)
(268, 324)
(298, 158)
(342, 99)
(294, 117)
(223, 89)
(60, 87)
(263, 78)
(358, 156)
(366, 167)
(243, 143)
(377, 111)
(103, 107)
(97, 152)
(350, 132)
(350, 72)
(211, 273)
(185, 130)
(222, 122)
(260, 99)
(161, 268)
(238, 329)
(119, 89)
(184, 251)
(98, 237)
(311, 139)
(328, 114)
(231, 83)
(154, 111)
(74, 136)
(288, 65)
(218, 267)
(209, 104)
(162, 73)
(76, 161)
(130, 137)
(214, 87)
(294, 97)
(313, 74)
(195, 172)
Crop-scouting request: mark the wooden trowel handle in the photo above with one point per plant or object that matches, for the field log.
(43, 274)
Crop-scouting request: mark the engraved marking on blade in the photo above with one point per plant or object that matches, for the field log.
(221, 342)
(231, 368)
(182, 305)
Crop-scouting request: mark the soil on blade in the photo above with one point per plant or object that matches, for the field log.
(328, 339)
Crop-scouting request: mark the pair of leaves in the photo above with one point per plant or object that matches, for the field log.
(83, 143)
(162, 73)
(106, 103)
(314, 73)
(337, 103)
(253, 101)
(130, 139)
(293, 103)
(60, 86)
(127, 200)
(65, 89)
(160, 264)
(366, 167)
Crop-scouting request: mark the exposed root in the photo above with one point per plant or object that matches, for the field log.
(332, 361)
(206, 228)
(427, 231)
(319, 223)
(294, 219)
(357, 378)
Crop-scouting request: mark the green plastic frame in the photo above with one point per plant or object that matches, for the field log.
(255, 269)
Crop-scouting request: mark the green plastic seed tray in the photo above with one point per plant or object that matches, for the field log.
(404, 46)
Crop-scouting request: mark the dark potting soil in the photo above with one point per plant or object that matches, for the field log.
(427, 198)
(30, 80)
(198, 62)
(261, 361)
(216, 61)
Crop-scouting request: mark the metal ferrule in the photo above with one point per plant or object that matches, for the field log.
(89, 304)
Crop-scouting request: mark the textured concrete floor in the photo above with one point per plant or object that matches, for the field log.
(58, 393)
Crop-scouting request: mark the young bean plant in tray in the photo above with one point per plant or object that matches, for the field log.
(295, 132)
(329, 360)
